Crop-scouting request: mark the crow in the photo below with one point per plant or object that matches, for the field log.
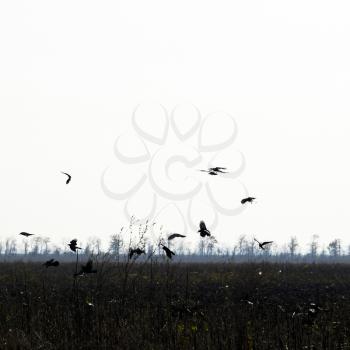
(215, 171)
(248, 200)
(26, 234)
(51, 262)
(174, 235)
(261, 245)
(68, 179)
(137, 251)
(87, 268)
(73, 245)
(168, 252)
(203, 231)
(218, 169)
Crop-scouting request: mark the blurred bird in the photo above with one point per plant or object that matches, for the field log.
(219, 169)
(214, 171)
(87, 268)
(168, 252)
(137, 251)
(68, 179)
(51, 262)
(261, 245)
(175, 235)
(73, 245)
(26, 234)
(248, 200)
(203, 231)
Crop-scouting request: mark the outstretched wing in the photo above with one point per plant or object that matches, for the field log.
(202, 225)
(74, 242)
(175, 235)
(268, 242)
(69, 177)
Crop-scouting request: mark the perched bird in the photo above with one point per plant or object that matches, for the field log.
(26, 234)
(137, 251)
(73, 245)
(51, 262)
(175, 235)
(247, 200)
(69, 177)
(261, 245)
(168, 252)
(87, 268)
(203, 231)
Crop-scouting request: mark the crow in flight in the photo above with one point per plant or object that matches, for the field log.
(248, 200)
(168, 252)
(261, 245)
(218, 169)
(26, 234)
(137, 251)
(73, 245)
(203, 231)
(69, 177)
(51, 262)
(86, 269)
(174, 235)
(215, 171)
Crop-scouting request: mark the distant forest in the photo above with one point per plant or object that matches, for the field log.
(245, 249)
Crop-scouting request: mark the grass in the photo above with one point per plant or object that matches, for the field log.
(175, 306)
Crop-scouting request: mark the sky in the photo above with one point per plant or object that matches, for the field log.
(73, 73)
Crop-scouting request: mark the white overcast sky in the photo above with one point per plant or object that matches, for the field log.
(71, 73)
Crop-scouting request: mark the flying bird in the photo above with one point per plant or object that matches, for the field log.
(87, 268)
(26, 234)
(175, 235)
(73, 245)
(203, 231)
(168, 252)
(51, 262)
(68, 179)
(261, 245)
(137, 251)
(248, 200)
(215, 170)
(219, 169)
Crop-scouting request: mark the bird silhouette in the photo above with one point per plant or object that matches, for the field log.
(168, 252)
(51, 262)
(175, 235)
(218, 169)
(203, 231)
(73, 245)
(248, 200)
(26, 234)
(85, 269)
(68, 179)
(137, 251)
(261, 245)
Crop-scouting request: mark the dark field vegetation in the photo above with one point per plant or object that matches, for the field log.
(175, 306)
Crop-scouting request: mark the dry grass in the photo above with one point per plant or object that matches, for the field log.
(175, 306)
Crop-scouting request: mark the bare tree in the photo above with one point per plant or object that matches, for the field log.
(116, 245)
(293, 245)
(334, 248)
(10, 246)
(314, 245)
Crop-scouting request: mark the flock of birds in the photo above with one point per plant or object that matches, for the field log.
(203, 232)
